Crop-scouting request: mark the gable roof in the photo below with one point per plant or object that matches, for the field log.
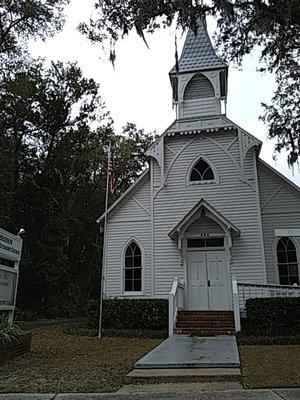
(198, 53)
(284, 178)
(125, 194)
(193, 213)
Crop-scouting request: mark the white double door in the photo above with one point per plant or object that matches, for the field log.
(208, 283)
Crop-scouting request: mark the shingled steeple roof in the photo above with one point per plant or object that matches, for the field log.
(198, 53)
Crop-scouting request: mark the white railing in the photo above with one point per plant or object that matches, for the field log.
(244, 291)
(176, 302)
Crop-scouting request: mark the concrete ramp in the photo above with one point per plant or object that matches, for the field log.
(185, 351)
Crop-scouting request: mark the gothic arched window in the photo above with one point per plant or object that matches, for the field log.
(133, 268)
(202, 171)
(287, 262)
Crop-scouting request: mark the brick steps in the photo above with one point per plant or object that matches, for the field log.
(205, 322)
(205, 319)
(205, 327)
(202, 332)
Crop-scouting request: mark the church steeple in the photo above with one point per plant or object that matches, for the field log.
(199, 80)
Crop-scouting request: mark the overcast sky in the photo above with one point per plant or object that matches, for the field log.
(138, 89)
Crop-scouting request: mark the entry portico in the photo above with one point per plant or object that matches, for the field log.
(204, 239)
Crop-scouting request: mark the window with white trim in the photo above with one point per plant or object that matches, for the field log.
(287, 261)
(202, 171)
(133, 268)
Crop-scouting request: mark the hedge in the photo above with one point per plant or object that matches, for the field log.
(279, 315)
(138, 314)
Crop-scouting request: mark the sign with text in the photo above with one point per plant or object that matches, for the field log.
(8, 287)
(10, 246)
(10, 256)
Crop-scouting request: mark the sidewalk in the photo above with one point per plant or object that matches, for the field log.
(263, 394)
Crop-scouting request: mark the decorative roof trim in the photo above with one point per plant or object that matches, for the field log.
(259, 142)
(219, 218)
(195, 131)
(159, 137)
(191, 71)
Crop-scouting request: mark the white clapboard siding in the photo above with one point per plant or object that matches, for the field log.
(280, 204)
(204, 225)
(129, 220)
(200, 106)
(130, 210)
(236, 200)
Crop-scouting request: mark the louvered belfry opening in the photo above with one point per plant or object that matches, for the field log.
(198, 87)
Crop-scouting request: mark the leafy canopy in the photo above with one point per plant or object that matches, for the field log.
(273, 25)
(52, 179)
(21, 20)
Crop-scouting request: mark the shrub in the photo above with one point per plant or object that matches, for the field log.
(273, 316)
(8, 332)
(133, 314)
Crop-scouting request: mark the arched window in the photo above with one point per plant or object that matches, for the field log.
(287, 262)
(202, 172)
(133, 268)
(199, 86)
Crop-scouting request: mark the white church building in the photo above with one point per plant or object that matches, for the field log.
(208, 224)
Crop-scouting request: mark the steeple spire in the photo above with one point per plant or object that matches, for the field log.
(198, 53)
(200, 80)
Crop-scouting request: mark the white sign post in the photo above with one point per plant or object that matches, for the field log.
(10, 256)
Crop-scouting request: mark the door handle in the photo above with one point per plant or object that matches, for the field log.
(208, 283)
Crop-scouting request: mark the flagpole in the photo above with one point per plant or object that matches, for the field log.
(104, 243)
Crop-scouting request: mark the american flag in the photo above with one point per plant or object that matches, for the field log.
(112, 177)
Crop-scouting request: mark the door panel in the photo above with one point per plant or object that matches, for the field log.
(207, 281)
(197, 297)
(217, 275)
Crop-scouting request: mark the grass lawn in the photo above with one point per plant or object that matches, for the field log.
(61, 362)
(270, 366)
